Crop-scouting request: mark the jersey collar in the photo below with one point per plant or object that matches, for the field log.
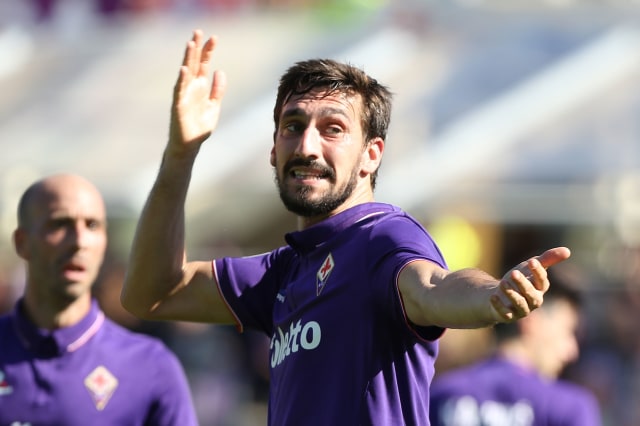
(50, 343)
(309, 239)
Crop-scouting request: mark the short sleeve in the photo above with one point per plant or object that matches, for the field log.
(250, 286)
(395, 241)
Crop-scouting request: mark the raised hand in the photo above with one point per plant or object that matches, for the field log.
(196, 99)
(522, 289)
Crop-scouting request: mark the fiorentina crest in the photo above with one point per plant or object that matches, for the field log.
(323, 273)
(101, 384)
(5, 387)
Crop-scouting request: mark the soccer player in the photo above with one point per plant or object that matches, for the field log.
(519, 384)
(62, 362)
(356, 300)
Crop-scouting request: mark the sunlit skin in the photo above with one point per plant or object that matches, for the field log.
(321, 160)
(323, 165)
(63, 239)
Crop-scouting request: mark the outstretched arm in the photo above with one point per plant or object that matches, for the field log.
(160, 283)
(471, 298)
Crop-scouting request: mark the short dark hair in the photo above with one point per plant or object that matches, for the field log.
(337, 77)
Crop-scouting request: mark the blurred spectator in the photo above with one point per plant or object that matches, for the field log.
(518, 384)
(62, 361)
(610, 361)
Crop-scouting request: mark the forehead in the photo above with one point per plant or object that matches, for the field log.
(321, 101)
(67, 198)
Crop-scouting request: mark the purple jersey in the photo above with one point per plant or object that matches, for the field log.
(342, 350)
(94, 373)
(496, 392)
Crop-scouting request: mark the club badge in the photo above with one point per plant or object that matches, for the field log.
(101, 385)
(5, 387)
(323, 273)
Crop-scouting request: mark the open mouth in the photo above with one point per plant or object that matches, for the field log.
(308, 174)
(73, 268)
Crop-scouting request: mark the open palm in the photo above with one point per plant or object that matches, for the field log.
(196, 100)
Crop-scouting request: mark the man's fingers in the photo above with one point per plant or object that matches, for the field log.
(205, 57)
(536, 268)
(530, 288)
(195, 53)
(504, 311)
(517, 296)
(521, 290)
(554, 256)
(218, 86)
(538, 275)
(195, 64)
(191, 59)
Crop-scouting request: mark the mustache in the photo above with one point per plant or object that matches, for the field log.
(308, 163)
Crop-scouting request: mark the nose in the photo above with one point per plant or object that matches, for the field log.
(78, 234)
(309, 143)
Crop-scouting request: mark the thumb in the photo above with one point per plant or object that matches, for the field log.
(553, 256)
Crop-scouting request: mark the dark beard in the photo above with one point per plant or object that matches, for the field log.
(299, 204)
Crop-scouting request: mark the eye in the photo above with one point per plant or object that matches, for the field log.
(94, 224)
(334, 130)
(292, 127)
(55, 224)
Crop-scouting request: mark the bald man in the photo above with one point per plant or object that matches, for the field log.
(62, 362)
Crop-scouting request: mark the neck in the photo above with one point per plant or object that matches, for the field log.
(516, 353)
(357, 198)
(51, 315)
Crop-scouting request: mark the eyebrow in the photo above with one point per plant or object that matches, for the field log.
(324, 112)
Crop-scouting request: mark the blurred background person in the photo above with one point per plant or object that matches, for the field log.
(519, 384)
(63, 362)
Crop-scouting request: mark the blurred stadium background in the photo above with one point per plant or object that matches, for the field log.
(515, 128)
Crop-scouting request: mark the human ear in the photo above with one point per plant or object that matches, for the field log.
(20, 243)
(372, 155)
(272, 156)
